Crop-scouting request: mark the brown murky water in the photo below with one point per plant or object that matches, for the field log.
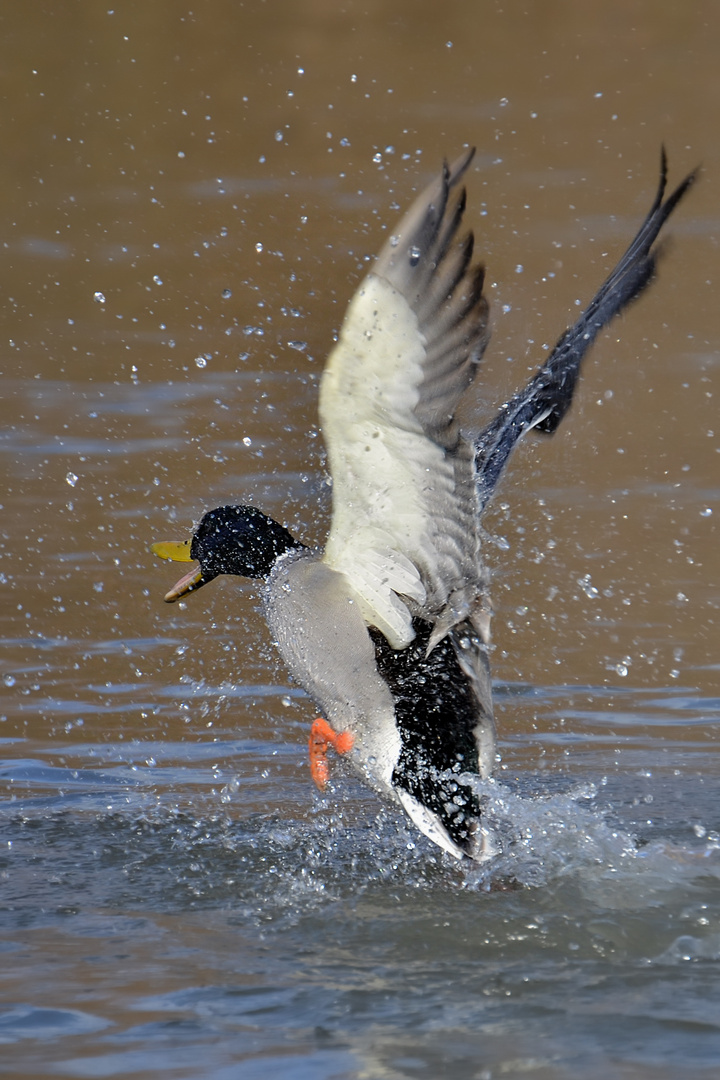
(189, 198)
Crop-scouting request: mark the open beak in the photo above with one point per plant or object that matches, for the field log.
(179, 551)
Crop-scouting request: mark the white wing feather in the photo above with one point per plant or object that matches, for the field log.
(404, 528)
(383, 466)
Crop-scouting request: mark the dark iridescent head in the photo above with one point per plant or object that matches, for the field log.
(229, 540)
(239, 540)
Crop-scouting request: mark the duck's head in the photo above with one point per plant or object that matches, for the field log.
(229, 540)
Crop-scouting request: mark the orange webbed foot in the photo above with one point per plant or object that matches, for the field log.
(322, 736)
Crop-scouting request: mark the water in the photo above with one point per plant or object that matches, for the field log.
(195, 939)
(175, 898)
(203, 913)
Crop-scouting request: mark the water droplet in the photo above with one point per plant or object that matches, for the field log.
(157, 280)
(99, 297)
(414, 255)
(278, 136)
(71, 479)
(588, 588)
(258, 247)
(226, 294)
(247, 441)
(200, 361)
(9, 680)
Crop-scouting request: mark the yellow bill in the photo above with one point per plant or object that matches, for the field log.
(179, 551)
(176, 550)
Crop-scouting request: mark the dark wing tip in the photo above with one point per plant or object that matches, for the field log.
(543, 402)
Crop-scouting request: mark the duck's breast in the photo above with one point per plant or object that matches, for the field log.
(319, 630)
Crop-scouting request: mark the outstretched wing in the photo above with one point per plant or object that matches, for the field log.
(404, 524)
(546, 398)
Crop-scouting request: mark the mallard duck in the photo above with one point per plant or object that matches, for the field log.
(388, 628)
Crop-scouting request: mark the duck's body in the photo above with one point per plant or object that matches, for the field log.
(421, 723)
(388, 628)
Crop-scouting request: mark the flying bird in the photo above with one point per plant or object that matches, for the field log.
(388, 627)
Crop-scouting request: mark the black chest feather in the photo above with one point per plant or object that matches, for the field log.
(436, 710)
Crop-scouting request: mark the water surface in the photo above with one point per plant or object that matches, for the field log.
(189, 199)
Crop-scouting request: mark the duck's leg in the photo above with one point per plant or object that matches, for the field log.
(322, 736)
